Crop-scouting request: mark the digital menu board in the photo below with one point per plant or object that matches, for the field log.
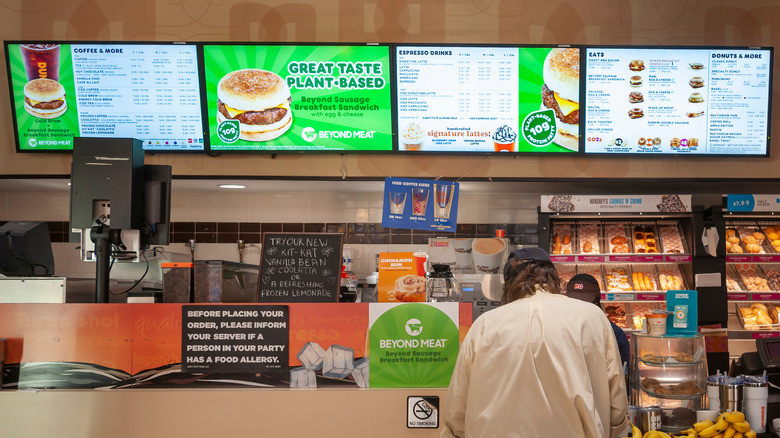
(681, 101)
(499, 99)
(298, 97)
(125, 90)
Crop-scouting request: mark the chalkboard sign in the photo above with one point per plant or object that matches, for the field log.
(300, 267)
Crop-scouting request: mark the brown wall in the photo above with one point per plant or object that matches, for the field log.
(670, 22)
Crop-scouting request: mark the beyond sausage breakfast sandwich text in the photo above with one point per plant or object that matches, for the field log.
(259, 100)
(561, 93)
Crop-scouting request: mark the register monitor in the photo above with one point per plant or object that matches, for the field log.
(25, 250)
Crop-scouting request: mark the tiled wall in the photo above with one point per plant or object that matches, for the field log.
(217, 220)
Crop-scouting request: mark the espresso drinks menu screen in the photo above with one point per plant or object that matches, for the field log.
(677, 101)
(144, 91)
(298, 98)
(487, 99)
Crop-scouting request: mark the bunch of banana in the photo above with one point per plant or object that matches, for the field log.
(728, 425)
(637, 433)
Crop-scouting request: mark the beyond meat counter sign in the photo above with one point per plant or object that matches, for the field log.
(487, 99)
(298, 98)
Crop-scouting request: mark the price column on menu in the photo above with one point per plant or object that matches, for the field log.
(739, 90)
(139, 91)
(453, 99)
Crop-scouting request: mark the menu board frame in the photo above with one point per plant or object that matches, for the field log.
(520, 47)
(635, 48)
(198, 86)
(205, 97)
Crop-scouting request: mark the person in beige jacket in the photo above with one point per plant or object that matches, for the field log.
(542, 364)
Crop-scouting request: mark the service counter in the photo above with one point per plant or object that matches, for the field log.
(118, 369)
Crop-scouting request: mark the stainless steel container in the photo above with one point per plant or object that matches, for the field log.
(633, 415)
(650, 418)
(730, 397)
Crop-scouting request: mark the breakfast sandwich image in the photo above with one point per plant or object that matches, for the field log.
(561, 93)
(45, 98)
(259, 99)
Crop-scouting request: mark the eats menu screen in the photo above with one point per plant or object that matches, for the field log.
(677, 101)
(298, 98)
(144, 91)
(487, 99)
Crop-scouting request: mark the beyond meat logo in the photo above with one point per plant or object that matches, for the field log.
(310, 134)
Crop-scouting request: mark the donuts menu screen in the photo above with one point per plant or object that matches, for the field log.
(298, 98)
(146, 91)
(677, 101)
(487, 99)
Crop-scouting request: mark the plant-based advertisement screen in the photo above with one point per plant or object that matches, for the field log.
(146, 91)
(298, 98)
(488, 99)
(677, 101)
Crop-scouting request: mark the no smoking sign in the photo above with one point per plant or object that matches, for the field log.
(422, 412)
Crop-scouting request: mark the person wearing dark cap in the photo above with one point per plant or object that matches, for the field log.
(586, 288)
(539, 365)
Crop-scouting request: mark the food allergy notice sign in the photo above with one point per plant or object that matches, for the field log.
(235, 338)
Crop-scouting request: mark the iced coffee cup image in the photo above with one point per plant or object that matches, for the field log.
(463, 252)
(419, 201)
(488, 254)
(41, 61)
(504, 139)
(412, 137)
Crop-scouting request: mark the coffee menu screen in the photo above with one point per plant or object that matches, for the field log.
(677, 101)
(144, 91)
(487, 99)
(298, 98)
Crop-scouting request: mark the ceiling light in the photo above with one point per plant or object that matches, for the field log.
(232, 186)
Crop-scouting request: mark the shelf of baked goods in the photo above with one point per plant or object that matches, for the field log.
(749, 241)
(753, 320)
(751, 288)
(630, 282)
(753, 282)
(589, 241)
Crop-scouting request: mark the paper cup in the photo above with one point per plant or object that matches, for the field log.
(656, 324)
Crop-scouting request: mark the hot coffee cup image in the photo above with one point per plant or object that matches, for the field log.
(488, 254)
(463, 253)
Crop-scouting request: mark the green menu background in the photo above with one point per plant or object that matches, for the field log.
(222, 59)
(31, 131)
(530, 67)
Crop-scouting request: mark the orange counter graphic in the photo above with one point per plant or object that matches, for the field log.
(139, 345)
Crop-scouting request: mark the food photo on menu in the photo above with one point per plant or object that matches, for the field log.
(677, 101)
(487, 99)
(298, 98)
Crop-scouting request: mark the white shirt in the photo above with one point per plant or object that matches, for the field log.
(544, 365)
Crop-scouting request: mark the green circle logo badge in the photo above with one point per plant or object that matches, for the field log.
(539, 128)
(229, 131)
(413, 327)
